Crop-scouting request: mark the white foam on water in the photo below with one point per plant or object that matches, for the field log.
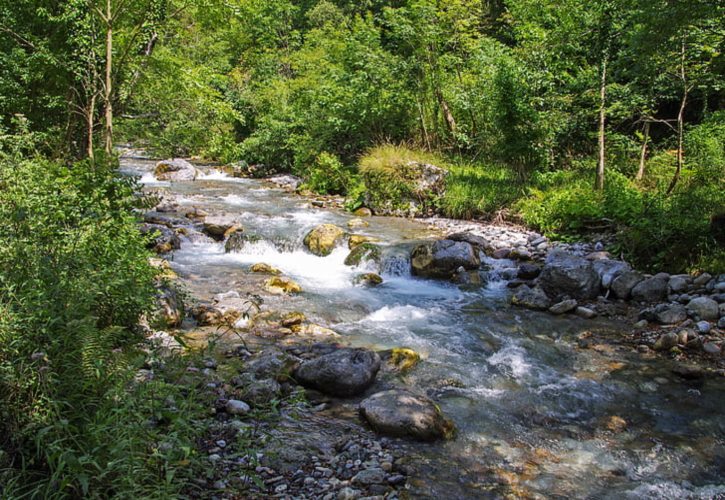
(236, 200)
(512, 360)
(312, 272)
(398, 313)
(310, 218)
(218, 175)
(149, 179)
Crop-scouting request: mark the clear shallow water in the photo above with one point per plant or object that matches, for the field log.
(533, 410)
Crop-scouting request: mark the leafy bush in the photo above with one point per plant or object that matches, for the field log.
(328, 175)
(75, 280)
(564, 203)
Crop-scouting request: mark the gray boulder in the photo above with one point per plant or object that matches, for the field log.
(665, 314)
(563, 307)
(528, 271)
(441, 259)
(624, 283)
(679, 283)
(345, 372)
(703, 308)
(531, 298)
(652, 289)
(608, 270)
(478, 242)
(402, 413)
(567, 274)
(174, 170)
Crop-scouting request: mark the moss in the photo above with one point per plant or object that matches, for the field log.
(363, 252)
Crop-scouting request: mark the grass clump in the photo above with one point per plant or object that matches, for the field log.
(479, 190)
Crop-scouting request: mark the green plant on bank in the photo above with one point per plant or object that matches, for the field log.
(75, 280)
(474, 190)
(327, 175)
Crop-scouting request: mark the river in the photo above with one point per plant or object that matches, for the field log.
(535, 408)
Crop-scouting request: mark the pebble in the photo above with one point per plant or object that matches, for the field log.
(703, 327)
(237, 407)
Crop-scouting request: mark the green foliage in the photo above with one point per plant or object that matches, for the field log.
(562, 203)
(474, 190)
(75, 280)
(389, 180)
(329, 175)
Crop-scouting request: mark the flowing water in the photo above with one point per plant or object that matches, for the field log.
(535, 411)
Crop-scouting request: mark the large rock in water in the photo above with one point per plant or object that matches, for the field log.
(363, 253)
(175, 170)
(323, 239)
(441, 259)
(403, 413)
(345, 372)
(567, 274)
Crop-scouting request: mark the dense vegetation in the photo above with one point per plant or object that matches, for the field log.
(573, 117)
(526, 101)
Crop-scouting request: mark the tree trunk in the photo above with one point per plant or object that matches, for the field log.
(643, 152)
(599, 184)
(680, 121)
(109, 83)
(91, 121)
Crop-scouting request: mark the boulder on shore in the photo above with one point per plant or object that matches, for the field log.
(567, 274)
(344, 372)
(405, 414)
(532, 298)
(175, 170)
(442, 258)
(652, 289)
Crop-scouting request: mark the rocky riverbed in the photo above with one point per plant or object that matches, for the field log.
(398, 365)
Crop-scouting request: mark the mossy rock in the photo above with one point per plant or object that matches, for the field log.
(357, 223)
(323, 239)
(280, 285)
(363, 212)
(261, 267)
(292, 319)
(359, 239)
(368, 279)
(363, 252)
(404, 359)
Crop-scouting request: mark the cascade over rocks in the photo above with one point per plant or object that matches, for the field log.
(344, 372)
(323, 239)
(362, 253)
(238, 239)
(442, 258)
(402, 413)
(567, 274)
(174, 170)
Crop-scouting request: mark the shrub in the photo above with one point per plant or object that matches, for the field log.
(328, 175)
(75, 279)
